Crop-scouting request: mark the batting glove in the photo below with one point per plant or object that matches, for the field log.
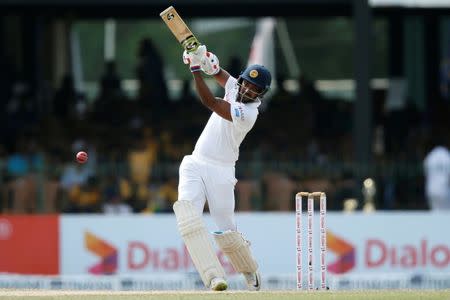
(193, 59)
(210, 63)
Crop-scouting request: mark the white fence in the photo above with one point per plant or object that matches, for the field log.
(193, 282)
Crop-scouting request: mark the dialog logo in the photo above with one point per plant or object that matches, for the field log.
(345, 253)
(106, 252)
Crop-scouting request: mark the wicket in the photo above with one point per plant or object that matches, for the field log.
(310, 238)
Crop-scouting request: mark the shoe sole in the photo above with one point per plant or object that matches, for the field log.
(220, 287)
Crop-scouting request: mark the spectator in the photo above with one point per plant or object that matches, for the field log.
(20, 112)
(152, 85)
(280, 189)
(437, 173)
(142, 157)
(247, 189)
(74, 175)
(137, 196)
(65, 99)
(345, 188)
(166, 196)
(110, 82)
(112, 201)
(20, 183)
(111, 98)
(84, 198)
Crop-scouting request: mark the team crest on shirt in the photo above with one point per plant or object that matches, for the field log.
(253, 74)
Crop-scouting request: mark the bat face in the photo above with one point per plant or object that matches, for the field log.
(179, 29)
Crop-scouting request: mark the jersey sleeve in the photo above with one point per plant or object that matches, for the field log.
(244, 117)
(231, 83)
(230, 89)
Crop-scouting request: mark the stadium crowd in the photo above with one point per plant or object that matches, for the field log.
(301, 142)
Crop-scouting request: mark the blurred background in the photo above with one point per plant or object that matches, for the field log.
(359, 109)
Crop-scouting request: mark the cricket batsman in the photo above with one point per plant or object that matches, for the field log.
(208, 174)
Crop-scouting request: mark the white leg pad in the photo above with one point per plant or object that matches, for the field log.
(237, 249)
(198, 242)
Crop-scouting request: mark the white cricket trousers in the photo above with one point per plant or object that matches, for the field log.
(202, 181)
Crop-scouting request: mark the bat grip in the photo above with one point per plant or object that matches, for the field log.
(190, 44)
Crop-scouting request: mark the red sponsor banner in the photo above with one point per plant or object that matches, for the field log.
(29, 244)
(379, 253)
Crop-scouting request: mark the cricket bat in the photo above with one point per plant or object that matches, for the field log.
(179, 29)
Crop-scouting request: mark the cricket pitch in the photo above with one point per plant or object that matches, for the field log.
(229, 295)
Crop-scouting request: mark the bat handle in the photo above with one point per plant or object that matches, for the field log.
(190, 44)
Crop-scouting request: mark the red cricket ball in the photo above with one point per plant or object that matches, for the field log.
(82, 157)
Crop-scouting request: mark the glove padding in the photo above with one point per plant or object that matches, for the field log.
(210, 64)
(193, 59)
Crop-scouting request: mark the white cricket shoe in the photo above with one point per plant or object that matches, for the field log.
(253, 281)
(218, 284)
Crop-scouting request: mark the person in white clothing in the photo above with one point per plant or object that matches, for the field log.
(209, 173)
(437, 174)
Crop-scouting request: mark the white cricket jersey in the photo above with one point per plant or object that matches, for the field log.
(437, 171)
(220, 139)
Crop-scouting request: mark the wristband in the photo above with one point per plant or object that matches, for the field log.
(195, 69)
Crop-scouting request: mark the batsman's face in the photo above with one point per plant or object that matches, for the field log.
(248, 92)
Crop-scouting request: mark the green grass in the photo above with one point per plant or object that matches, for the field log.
(230, 295)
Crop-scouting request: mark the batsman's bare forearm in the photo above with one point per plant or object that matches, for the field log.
(206, 96)
(222, 77)
(217, 105)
